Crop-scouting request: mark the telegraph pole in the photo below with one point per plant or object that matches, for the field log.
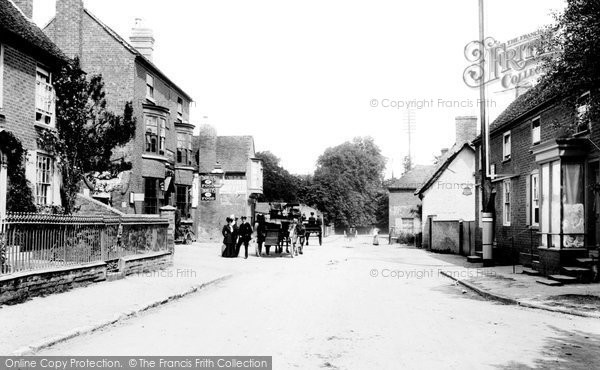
(486, 216)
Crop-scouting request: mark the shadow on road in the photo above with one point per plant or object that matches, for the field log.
(565, 350)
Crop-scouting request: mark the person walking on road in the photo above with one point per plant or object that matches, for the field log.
(261, 234)
(228, 239)
(375, 236)
(245, 235)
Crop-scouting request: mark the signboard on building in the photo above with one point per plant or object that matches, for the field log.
(208, 190)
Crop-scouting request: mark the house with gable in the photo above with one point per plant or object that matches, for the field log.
(404, 205)
(447, 195)
(229, 180)
(161, 152)
(545, 180)
(28, 62)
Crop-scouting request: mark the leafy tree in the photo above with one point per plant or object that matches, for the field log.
(278, 184)
(19, 196)
(347, 182)
(407, 163)
(86, 132)
(571, 56)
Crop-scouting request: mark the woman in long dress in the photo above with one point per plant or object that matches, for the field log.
(228, 239)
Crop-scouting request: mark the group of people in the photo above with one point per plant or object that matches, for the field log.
(234, 235)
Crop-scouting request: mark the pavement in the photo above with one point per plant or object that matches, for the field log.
(508, 284)
(43, 322)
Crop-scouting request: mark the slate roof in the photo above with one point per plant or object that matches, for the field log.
(441, 166)
(412, 179)
(16, 26)
(233, 152)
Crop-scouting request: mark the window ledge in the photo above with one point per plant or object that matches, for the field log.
(151, 99)
(155, 157)
(581, 133)
(44, 126)
(184, 167)
(506, 159)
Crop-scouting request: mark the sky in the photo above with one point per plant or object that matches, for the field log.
(302, 76)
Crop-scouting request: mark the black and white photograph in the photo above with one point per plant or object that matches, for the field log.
(280, 184)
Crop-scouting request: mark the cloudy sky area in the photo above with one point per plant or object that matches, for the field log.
(300, 75)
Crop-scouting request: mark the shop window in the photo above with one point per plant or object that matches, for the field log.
(535, 199)
(44, 98)
(44, 176)
(535, 131)
(151, 195)
(506, 209)
(506, 146)
(183, 200)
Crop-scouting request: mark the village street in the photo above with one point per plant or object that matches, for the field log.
(348, 305)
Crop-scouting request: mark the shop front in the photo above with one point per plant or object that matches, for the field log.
(567, 210)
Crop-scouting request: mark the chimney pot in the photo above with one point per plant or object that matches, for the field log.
(142, 38)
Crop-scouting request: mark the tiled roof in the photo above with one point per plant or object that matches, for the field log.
(533, 98)
(233, 152)
(14, 23)
(441, 166)
(134, 51)
(412, 179)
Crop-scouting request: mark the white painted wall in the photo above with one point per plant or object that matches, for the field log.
(447, 198)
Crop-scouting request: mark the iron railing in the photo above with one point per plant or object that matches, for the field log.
(41, 241)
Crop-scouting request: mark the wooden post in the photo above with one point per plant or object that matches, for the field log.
(3, 183)
(168, 212)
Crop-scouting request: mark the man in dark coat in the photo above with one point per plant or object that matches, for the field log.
(245, 235)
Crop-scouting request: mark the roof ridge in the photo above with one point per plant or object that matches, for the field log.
(21, 11)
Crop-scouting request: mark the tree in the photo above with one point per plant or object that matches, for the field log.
(86, 132)
(347, 182)
(19, 196)
(407, 163)
(571, 56)
(278, 184)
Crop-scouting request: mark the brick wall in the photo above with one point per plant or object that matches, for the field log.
(401, 203)
(521, 165)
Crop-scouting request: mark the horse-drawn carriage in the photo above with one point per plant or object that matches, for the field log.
(279, 234)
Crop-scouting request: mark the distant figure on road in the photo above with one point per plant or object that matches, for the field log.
(375, 236)
(261, 233)
(245, 235)
(228, 239)
(312, 220)
(236, 235)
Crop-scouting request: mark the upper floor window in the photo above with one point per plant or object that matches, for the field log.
(44, 97)
(535, 131)
(155, 134)
(506, 146)
(1, 77)
(583, 110)
(180, 109)
(506, 202)
(43, 183)
(149, 86)
(184, 148)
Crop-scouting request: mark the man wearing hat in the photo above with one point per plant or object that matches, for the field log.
(245, 235)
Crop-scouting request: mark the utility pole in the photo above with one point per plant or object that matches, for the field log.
(487, 217)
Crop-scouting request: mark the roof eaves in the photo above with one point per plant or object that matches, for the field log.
(436, 175)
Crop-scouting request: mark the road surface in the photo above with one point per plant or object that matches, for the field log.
(350, 305)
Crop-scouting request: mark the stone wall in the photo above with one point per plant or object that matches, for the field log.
(145, 263)
(445, 237)
(20, 286)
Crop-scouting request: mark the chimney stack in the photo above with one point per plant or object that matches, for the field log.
(142, 39)
(67, 33)
(26, 7)
(466, 129)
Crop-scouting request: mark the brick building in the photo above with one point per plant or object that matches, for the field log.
(404, 217)
(544, 181)
(28, 60)
(161, 151)
(230, 178)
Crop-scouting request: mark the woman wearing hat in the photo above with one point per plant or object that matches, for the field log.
(228, 238)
